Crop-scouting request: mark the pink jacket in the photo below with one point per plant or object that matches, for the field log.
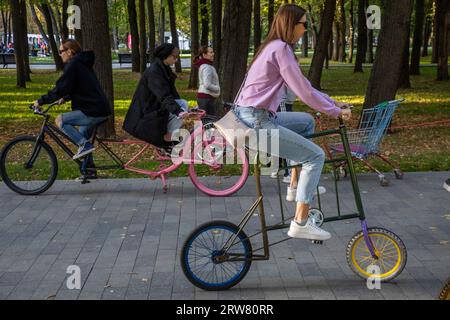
(277, 66)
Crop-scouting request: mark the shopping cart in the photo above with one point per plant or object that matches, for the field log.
(365, 141)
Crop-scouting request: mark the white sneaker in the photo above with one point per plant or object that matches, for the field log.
(287, 179)
(292, 192)
(310, 231)
(274, 175)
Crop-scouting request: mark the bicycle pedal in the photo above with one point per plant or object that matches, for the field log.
(319, 242)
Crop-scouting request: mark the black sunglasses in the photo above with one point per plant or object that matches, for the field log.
(305, 24)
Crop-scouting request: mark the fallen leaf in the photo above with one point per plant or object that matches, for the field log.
(51, 297)
(444, 242)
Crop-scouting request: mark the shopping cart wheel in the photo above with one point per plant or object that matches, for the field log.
(317, 216)
(384, 182)
(343, 173)
(398, 174)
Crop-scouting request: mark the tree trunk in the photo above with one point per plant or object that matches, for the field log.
(305, 42)
(418, 37)
(404, 81)
(65, 17)
(142, 37)
(426, 36)
(384, 79)
(369, 53)
(435, 49)
(5, 26)
(329, 53)
(204, 41)
(151, 28)
(57, 19)
(96, 38)
(10, 28)
(315, 72)
(162, 23)
(342, 32)
(362, 36)
(78, 32)
(38, 24)
(236, 35)
(24, 39)
(443, 22)
(216, 23)
(51, 35)
(257, 24)
(336, 32)
(271, 14)
(19, 34)
(351, 35)
(193, 79)
(56, 32)
(315, 32)
(173, 30)
(134, 31)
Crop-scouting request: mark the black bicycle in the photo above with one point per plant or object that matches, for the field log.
(28, 165)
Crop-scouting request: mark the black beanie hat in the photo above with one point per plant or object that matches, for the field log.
(164, 51)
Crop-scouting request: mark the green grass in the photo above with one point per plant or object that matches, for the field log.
(416, 149)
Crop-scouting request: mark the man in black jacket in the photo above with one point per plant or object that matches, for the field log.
(156, 110)
(79, 84)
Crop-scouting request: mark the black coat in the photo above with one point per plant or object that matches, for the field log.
(153, 100)
(79, 84)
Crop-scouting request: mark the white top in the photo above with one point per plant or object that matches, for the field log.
(208, 80)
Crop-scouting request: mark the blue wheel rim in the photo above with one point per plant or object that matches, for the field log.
(205, 271)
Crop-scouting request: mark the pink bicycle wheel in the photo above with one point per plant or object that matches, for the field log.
(219, 169)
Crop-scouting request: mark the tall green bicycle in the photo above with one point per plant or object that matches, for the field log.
(218, 254)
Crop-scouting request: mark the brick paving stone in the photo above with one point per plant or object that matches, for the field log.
(126, 236)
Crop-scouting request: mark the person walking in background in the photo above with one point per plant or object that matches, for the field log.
(209, 87)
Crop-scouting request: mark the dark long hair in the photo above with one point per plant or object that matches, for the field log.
(283, 26)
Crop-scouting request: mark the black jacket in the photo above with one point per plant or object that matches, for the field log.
(153, 100)
(79, 84)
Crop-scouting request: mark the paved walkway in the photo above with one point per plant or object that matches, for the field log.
(125, 235)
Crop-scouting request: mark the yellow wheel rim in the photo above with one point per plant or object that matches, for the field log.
(386, 248)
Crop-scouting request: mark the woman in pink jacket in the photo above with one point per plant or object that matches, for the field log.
(274, 66)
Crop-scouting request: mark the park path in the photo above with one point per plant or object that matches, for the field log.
(125, 235)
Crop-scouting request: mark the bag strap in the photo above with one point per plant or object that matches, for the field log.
(240, 90)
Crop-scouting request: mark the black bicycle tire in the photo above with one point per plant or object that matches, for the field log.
(9, 182)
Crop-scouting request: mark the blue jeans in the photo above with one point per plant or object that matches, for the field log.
(79, 119)
(293, 146)
(176, 123)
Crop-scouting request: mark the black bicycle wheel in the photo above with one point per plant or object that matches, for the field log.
(28, 167)
(204, 261)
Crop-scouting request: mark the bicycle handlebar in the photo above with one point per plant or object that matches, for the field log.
(38, 110)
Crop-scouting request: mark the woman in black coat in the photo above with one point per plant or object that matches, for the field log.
(156, 110)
